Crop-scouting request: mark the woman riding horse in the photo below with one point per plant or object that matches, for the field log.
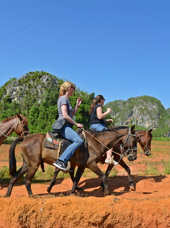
(65, 122)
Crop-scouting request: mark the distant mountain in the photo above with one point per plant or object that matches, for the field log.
(33, 84)
(168, 111)
(143, 111)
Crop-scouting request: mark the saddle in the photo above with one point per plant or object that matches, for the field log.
(55, 141)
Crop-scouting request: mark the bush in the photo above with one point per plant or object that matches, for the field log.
(4, 172)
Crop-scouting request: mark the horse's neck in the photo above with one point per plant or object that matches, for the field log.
(7, 128)
(113, 137)
(140, 134)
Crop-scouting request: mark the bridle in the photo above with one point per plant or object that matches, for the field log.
(139, 139)
(129, 147)
(21, 127)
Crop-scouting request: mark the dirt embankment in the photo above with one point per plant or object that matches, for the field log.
(148, 206)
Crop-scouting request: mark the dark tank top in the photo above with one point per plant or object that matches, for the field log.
(94, 119)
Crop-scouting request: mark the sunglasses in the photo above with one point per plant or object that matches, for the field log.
(72, 86)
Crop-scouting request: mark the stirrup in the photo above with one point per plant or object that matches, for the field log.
(68, 168)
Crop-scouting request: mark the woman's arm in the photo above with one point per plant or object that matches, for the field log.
(100, 114)
(78, 103)
(67, 117)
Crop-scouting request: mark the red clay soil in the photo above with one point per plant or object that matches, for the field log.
(148, 206)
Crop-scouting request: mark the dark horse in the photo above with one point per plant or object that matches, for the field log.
(17, 123)
(34, 153)
(143, 138)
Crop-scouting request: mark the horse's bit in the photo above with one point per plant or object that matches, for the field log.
(129, 148)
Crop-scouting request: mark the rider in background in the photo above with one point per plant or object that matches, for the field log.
(98, 121)
(65, 123)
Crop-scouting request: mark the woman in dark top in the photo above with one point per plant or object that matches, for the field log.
(97, 120)
(65, 122)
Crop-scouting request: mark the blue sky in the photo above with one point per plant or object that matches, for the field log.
(117, 48)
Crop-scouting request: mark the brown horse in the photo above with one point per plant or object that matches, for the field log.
(34, 153)
(17, 123)
(143, 138)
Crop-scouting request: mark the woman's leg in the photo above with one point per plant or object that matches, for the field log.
(69, 134)
(100, 127)
(97, 127)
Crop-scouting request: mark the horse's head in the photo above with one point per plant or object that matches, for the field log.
(144, 138)
(21, 128)
(128, 145)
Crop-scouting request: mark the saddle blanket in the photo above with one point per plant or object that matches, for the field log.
(52, 143)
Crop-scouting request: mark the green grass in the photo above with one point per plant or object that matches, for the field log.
(151, 170)
(162, 139)
(167, 168)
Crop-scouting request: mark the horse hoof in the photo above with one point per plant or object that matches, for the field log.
(48, 190)
(80, 190)
(106, 193)
(132, 188)
(6, 195)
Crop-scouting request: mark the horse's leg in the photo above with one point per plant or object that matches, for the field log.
(52, 183)
(75, 180)
(109, 168)
(30, 174)
(72, 178)
(94, 167)
(15, 177)
(131, 185)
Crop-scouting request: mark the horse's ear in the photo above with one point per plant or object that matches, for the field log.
(133, 129)
(150, 130)
(19, 117)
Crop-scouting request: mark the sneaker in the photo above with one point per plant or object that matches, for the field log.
(60, 164)
(111, 162)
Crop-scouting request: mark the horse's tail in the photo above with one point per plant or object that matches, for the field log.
(12, 160)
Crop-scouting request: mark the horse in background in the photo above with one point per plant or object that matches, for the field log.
(17, 123)
(34, 153)
(144, 139)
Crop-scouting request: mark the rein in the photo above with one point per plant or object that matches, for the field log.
(122, 154)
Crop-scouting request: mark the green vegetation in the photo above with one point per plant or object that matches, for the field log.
(36, 95)
(4, 172)
(151, 170)
(37, 100)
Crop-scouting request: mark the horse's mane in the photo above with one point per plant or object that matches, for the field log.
(12, 117)
(8, 119)
(149, 133)
(96, 133)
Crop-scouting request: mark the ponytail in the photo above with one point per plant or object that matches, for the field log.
(95, 102)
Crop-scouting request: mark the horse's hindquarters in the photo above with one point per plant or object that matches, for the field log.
(49, 156)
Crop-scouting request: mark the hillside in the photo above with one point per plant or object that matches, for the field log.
(144, 111)
(35, 96)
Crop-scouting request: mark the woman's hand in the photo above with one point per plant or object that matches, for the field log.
(109, 120)
(79, 101)
(109, 110)
(79, 125)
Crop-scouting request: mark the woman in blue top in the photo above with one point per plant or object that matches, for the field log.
(98, 121)
(65, 122)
